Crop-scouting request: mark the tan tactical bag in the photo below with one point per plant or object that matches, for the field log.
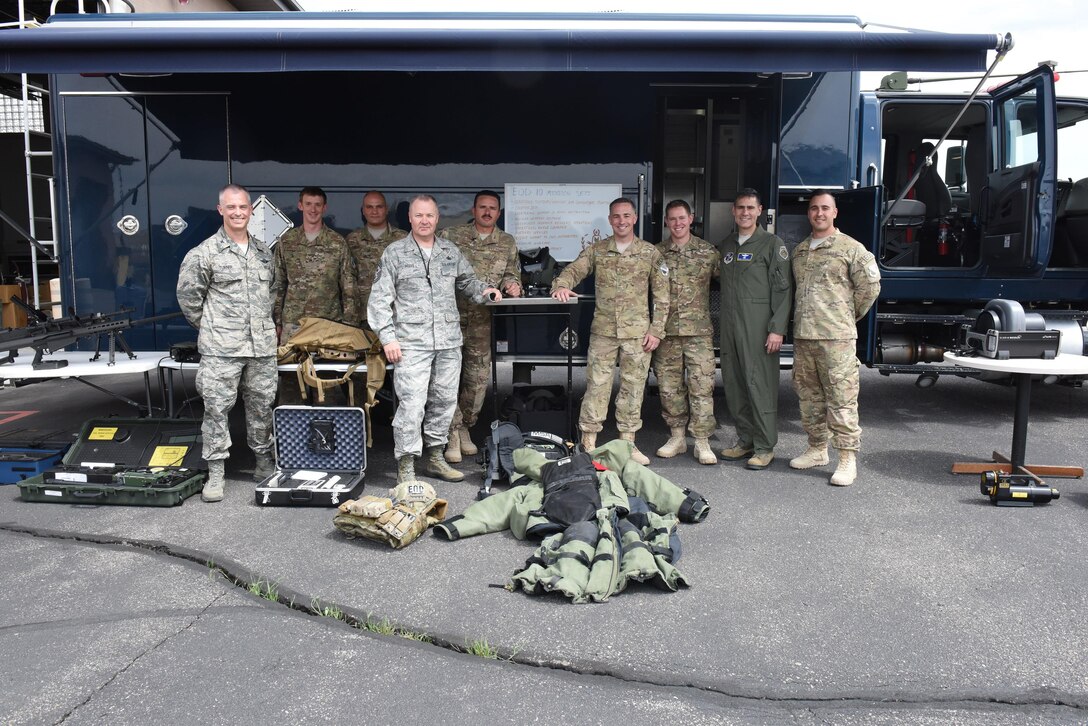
(328, 340)
(397, 520)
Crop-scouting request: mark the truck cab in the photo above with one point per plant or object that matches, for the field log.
(975, 201)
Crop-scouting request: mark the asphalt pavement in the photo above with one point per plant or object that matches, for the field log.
(907, 598)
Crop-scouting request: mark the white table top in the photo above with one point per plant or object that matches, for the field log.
(173, 365)
(1063, 365)
(80, 366)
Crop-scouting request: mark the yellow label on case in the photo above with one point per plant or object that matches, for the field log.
(1019, 495)
(102, 433)
(168, 456)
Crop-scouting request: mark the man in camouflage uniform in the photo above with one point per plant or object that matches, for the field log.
(413, 310)
(837, 281)
(224, 289)
(493, 255)
(366, 245)
(755, 316)
(688, 347)
(314, 272)
(627, 270)
(314, 276)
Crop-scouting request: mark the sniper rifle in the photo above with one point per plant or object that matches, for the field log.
(47, 335)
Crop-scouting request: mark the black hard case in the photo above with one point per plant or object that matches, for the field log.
(303, 443)
(129, 443)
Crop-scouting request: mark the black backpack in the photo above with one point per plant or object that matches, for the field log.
(571, 493)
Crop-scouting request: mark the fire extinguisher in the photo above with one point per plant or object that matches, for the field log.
(942, 238)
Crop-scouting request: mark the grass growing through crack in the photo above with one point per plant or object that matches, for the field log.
(265, 588)
(481, 649)
(385, 627)
(269, 590)
(326, 611)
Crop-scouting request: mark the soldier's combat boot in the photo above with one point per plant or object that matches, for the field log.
(467, 447)
(406, 468)
(760, 461)
(435, 465)
(738, 451)
(266, 467)
(813, 456)
(213, 488)
(453, 448)
(589, 440)
(636, 455)
(847, 470)
(703, 453)
(677, 443)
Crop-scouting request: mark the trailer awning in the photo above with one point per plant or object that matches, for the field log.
(278, 42)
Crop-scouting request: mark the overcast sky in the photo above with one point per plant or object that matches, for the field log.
(1043, 30)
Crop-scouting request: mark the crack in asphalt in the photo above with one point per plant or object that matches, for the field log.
(243, 578)
(147, 651)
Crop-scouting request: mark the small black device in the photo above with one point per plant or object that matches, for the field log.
(322, 436)
(185, 352)
(1015, 490)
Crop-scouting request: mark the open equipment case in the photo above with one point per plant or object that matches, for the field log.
(320, 457)
(25, 452)
(142, 462)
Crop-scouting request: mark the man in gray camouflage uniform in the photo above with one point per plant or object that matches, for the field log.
(366, 245)
(627, 269)
(493, 255)
(836, 281)
(413, 310)
(224, 290)
(684, 362)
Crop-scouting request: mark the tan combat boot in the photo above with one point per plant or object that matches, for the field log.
(703, 453)
(589, 440)
(435, 465)
(213, 488)
(636, 455)
(467, 447)
(738, 451)
(759, 462)
(813, 456)
(847, 470)
(453, 448)
(677, 443)
(406, 468)
(266, 467)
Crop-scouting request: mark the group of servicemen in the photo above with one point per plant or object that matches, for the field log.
(423, 292)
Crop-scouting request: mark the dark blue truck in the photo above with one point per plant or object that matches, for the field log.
(961, 201)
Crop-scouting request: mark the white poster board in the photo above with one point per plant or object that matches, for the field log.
(566, 218)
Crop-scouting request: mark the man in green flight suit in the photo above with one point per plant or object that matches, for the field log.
(755, 313)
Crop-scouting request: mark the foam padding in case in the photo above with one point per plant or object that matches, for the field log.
(293, 431)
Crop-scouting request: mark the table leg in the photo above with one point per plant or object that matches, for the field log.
(1020, 420)
(147, 392)
(1015, 463)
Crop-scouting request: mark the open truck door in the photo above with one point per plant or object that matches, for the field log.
(1019, 200)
